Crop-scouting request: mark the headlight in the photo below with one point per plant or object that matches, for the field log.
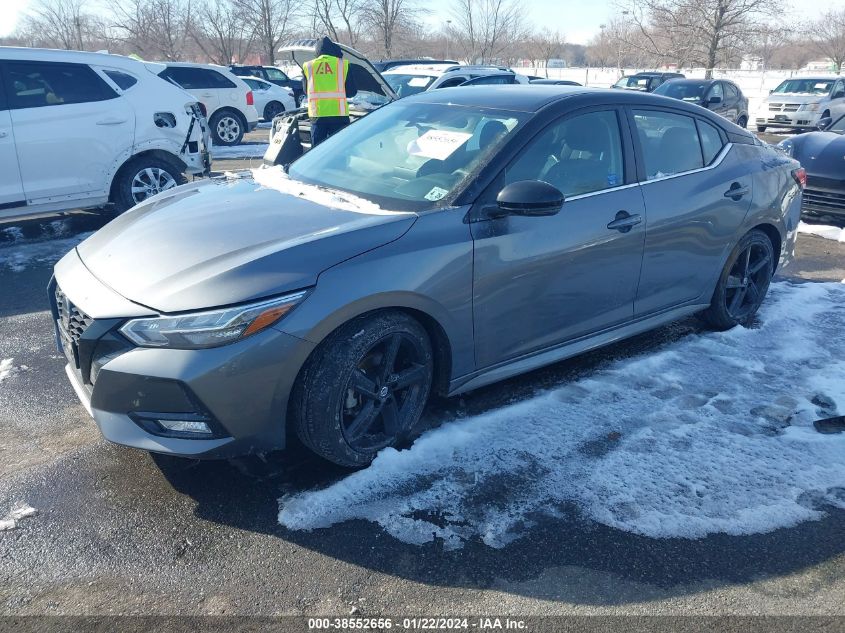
(787, 147)
(211, 328)
(810, 107)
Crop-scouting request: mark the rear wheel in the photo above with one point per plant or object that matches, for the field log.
(227, 127)
(743, 283)
(742, 122)
(273, 109)
(364, 388)
(761, 128)
(142, 178)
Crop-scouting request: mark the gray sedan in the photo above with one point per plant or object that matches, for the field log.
(442, 243)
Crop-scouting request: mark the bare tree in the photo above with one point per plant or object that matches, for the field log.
(343, 20)
(156, 28)
(222, 33)
(271, 22)
(546, 45)
(827, 36)
(485, 29)
(387, 19)
(58, 23)
(698, 32)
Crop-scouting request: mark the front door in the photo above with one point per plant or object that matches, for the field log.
(541, 281)
(70, 129)
(11, 189)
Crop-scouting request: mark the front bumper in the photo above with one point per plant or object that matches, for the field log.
(242, 389)
(787, 119)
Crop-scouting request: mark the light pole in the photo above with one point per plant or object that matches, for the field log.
(448, 36)
(619, 50)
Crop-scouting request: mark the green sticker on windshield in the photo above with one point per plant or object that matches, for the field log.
(436, 193)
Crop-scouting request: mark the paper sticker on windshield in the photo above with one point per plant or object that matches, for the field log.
(419, 82)
(437, 144)
(436, 193)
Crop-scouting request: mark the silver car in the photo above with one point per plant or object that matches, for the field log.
(443, 242)
(800, 103)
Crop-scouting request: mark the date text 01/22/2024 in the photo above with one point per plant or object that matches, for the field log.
(418, 623)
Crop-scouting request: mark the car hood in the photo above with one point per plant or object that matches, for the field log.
(793, 97)
(822, 154)
(228, 240)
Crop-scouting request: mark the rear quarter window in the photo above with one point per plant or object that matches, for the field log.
(124, 81)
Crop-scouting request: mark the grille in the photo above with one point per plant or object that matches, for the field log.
(72, 320)
(818, 200)
(784, 107)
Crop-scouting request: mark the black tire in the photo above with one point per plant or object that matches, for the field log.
(743, 283)
(227, 127)
(742, 122)
(273, 109)
(149, 173)
(761, 128)
(346, 405)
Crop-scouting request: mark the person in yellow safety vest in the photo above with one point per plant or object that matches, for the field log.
(328, 84)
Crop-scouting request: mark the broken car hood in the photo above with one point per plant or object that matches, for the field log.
(229, 240)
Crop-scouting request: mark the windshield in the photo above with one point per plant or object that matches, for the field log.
(275, 73)
(805, 86)
(633, 83)
(405, 85)
(692, 91)
(407, 156)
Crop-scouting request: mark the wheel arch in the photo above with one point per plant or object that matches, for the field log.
(159, 154)
(227, 109)
(775, 237)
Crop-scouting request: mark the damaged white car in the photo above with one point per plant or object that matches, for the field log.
(90, 130)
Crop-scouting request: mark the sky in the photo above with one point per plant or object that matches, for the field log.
(577, 25)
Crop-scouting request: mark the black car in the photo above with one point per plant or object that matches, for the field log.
(722, 97)
(273, 75)
(822, 155)
(555, 82)
(498, 79)
(386, 64)
(645, 81)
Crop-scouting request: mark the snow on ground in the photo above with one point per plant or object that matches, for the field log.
(20, 253)
(710, 434)
(828, 232)
(245, 150)
(6, 368)
(19, 511)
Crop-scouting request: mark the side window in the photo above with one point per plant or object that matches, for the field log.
(711, 141)
(578, 155)
(669, 143)
(731, 92)
(716, 91)
(4, 105)
(838, 90)
(275, 74)
(454, 81)
(197, 78)
(39, 84)
(123, 80)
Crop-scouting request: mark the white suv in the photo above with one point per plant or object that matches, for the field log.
(414, 78)
(82, 130)
(229, 103)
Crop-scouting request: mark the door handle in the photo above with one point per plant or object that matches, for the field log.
(111, 121)
(736, 191)
(624, 222)
(3, 134)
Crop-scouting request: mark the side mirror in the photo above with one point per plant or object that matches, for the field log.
(530, 198)
(714, 100)
(824, 123)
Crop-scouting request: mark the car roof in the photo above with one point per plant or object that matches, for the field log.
(431, 70)
(80, 57)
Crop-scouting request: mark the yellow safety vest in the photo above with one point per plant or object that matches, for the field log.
(326, 77)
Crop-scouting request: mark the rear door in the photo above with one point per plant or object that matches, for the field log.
(697, 189)
(11, 188)
(541, 281)
(70, 128)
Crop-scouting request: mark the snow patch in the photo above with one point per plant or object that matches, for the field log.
(7, 369)
(274, 177)
(19, 511)
(246, 150)
(709, 434)
(821, 230)
(20, 254)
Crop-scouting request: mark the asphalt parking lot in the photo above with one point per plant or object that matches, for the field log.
(121, 531)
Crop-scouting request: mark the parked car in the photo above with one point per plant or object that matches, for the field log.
(87, 130)
(387, 64)
(555, 82)
(269, 99)
(645, 81)
(822, 155)
(436, 245)
(800, 103)
(721, 96)
(501, 78)
(228, 102)
(274, 76)
(408, 80)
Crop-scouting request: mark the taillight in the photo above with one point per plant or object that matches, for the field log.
(800, 176)
(249, 99)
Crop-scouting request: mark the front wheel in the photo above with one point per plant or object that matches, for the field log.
(742, 122)
(227, 128)
(364, 388)
(743, 283)
(761, 128)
